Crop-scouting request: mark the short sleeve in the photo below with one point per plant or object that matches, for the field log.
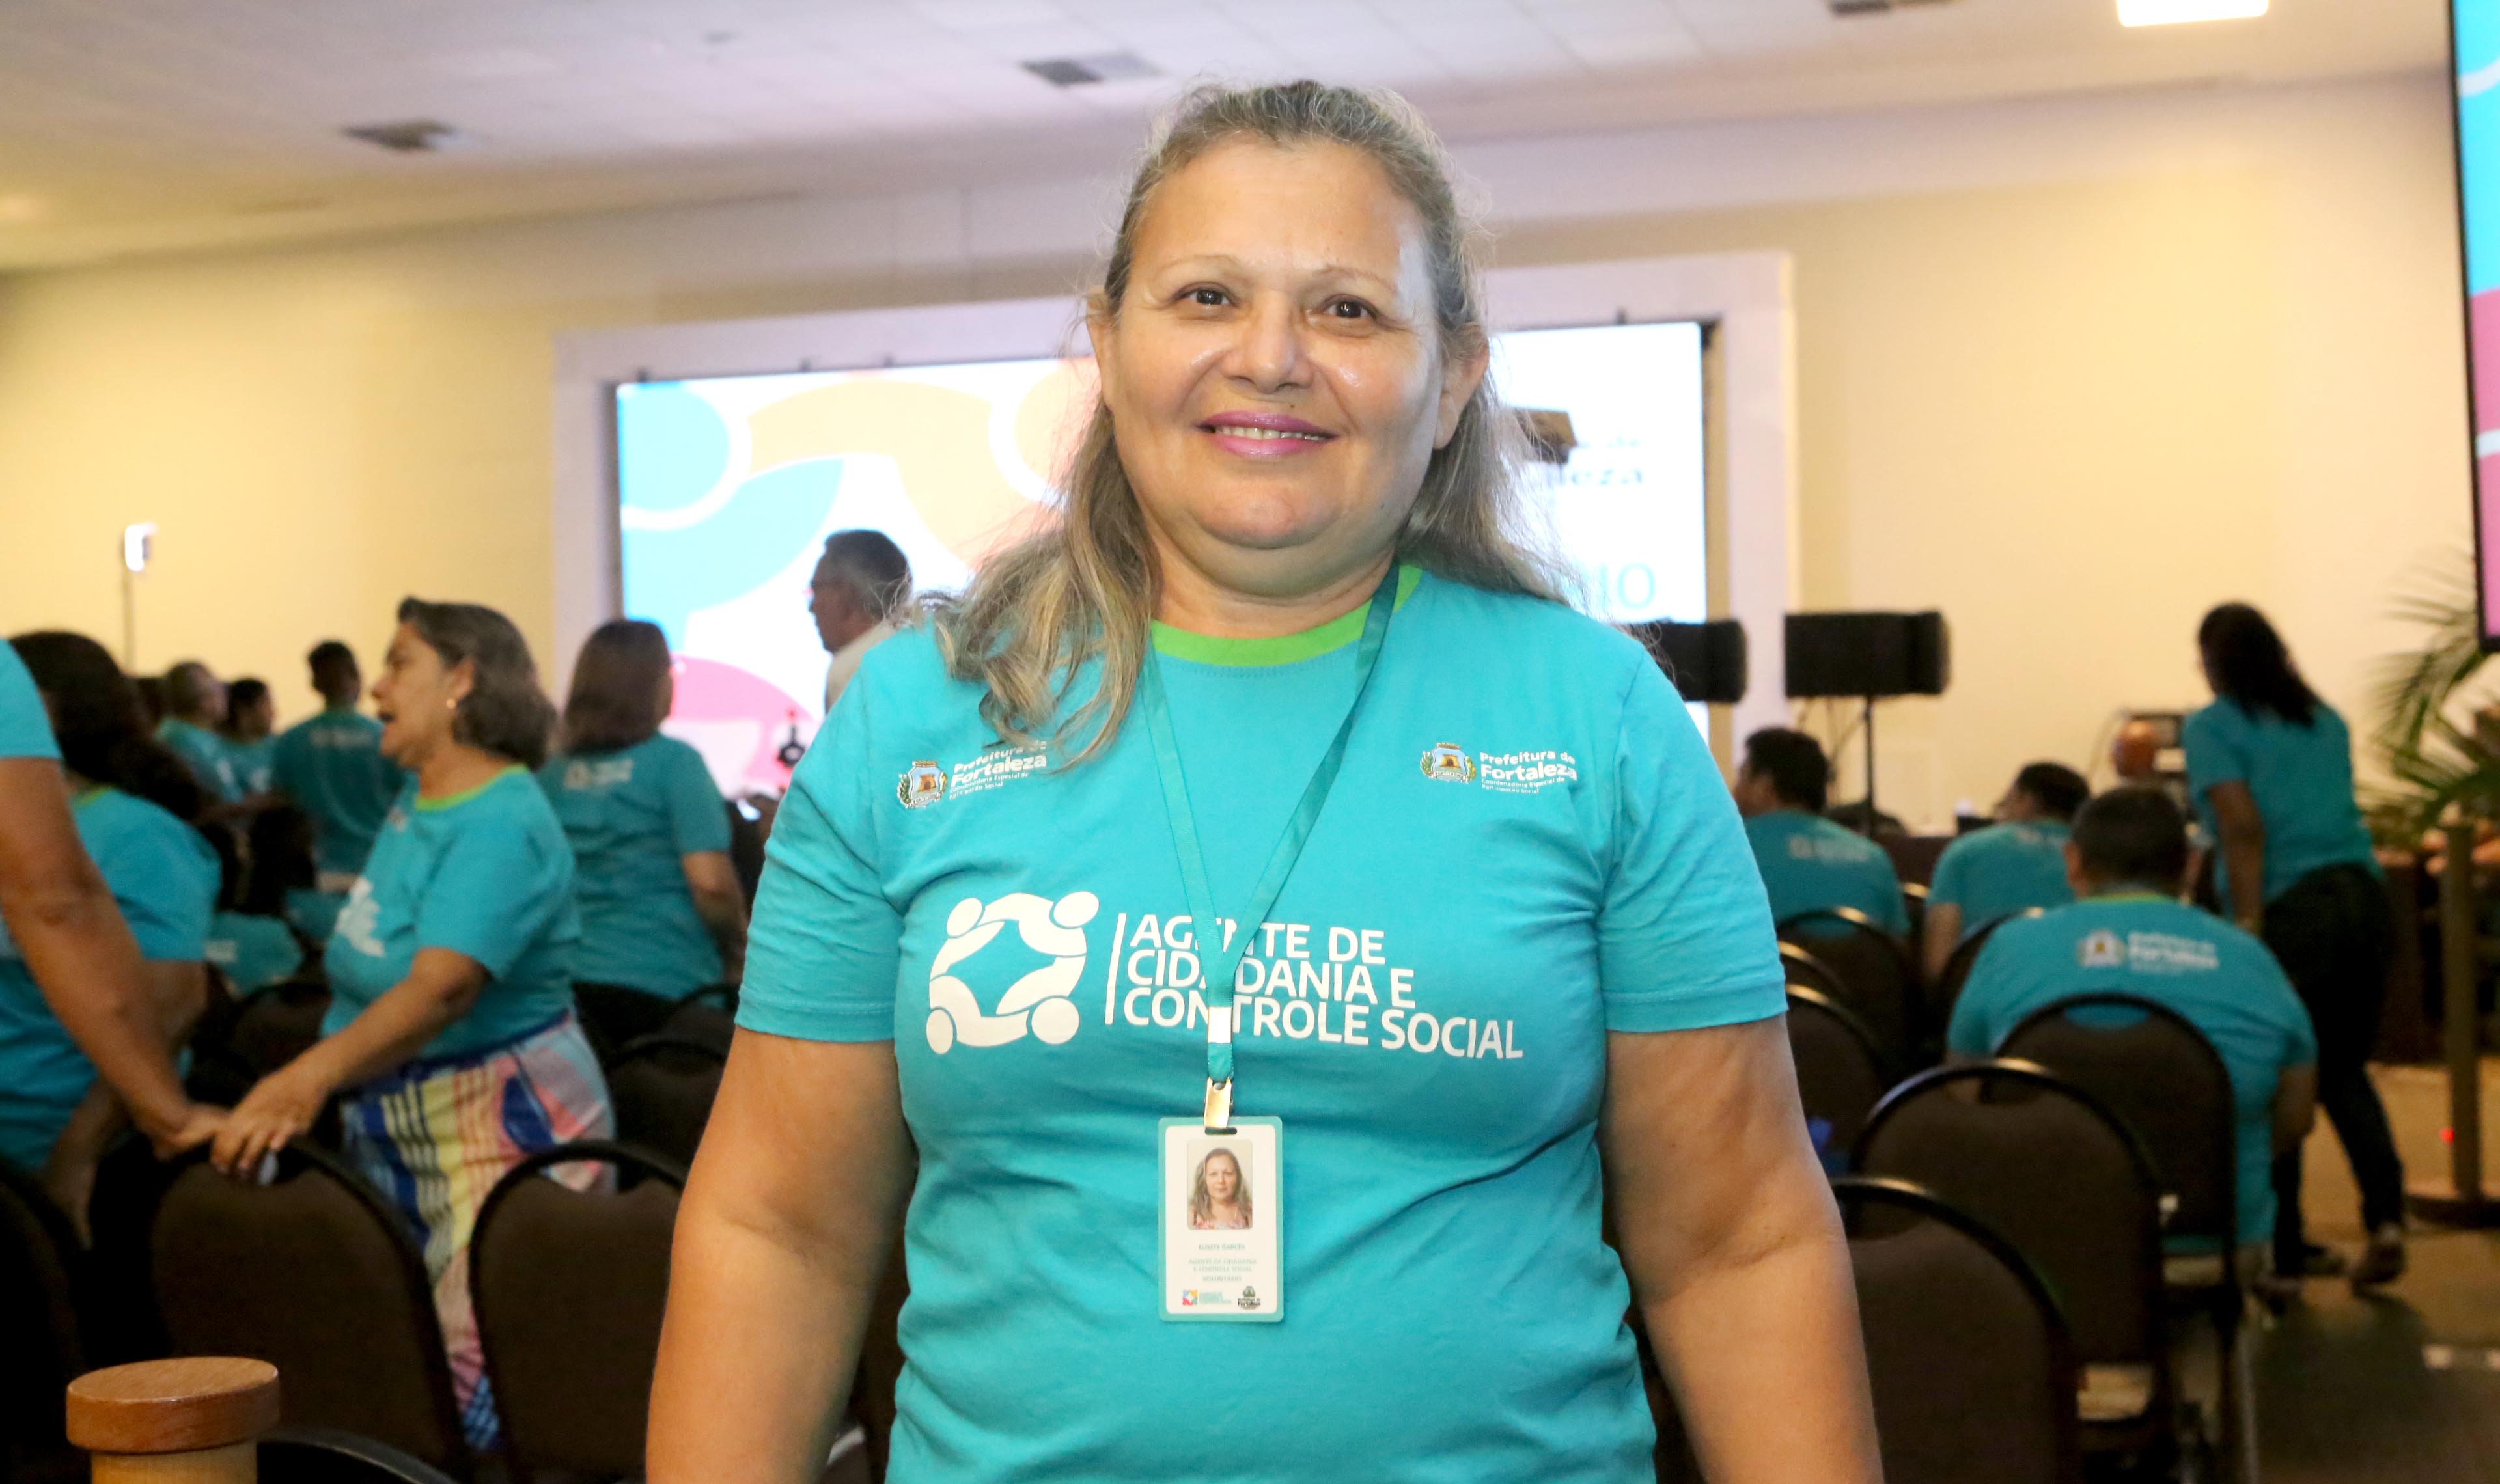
(496, 892)
(698, 820)
(1893, 906)
(2217, 741)
(25, 729)
(1684, 930)
(164, 878)
(824, 944)
(1947, 886)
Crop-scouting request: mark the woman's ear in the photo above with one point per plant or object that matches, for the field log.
(1101, 332)
(1461, 376)
(462, 678)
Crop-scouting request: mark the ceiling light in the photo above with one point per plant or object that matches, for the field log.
(1081, 70)
(2171, 13)
(409, 136)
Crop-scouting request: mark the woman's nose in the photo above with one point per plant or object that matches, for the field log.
(1269, 352)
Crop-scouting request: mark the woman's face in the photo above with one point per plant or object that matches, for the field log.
(1274, 373)
(1223, 1178)
(415, 698)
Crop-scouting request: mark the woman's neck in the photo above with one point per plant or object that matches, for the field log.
(456, 768)
(1191, 598)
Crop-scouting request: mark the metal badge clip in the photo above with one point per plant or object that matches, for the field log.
(1219, 1105)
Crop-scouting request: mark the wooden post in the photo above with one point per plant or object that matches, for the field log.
(190, 1420)
(2461, 1203)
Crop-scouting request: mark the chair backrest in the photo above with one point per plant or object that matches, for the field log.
(1872, 970)
(569, 1287)
(1841, 1072)
(2046, 1165)
(1913, 903)
(1946, 988)
(42, 1350)
(316, 1275)
(704, 1020)
(661, 1088)
(1973, 1376)
(2153, 1068)
(293, 1454)
(276, 1025)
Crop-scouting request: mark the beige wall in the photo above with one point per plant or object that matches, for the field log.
(2070, 372)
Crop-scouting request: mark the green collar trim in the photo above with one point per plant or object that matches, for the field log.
(2132, 894)
(89, 794)
(1281, 648)
(454, 800)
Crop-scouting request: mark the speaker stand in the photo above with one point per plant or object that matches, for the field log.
(1868, 824)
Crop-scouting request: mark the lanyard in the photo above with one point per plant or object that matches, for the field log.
(1219, 953)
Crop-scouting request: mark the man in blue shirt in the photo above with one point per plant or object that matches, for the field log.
(2010, 866)
(2131, 933)
(1808, 863)
(332, 767)
(195, 707)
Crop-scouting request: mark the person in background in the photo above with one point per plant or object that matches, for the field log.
(2012, 865)
(2131, 933)
(2270, 767)
(151, 699)
(450, 1032)
(1808, 863)
(195, 707)
(131, 804)
(282, 880)
(251, 714)
(861, 586)
(252, 950)
(662, 912)
(331, 766)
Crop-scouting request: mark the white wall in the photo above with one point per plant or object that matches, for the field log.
(2071, 371)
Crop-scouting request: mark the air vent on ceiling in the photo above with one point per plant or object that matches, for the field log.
(1083, 71)
(409, 136)
(1877, 7)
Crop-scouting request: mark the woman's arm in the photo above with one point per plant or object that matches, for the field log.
(721, 903)
(1943, 935)
(62, 917)
(179, 991)
(796, 1196)
(2243, 848)
(440, 988)
(1735, 1249)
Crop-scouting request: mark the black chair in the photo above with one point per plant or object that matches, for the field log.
(1913, 903)
(238, 1043)
(2153, 1068)
(1872, 970)
(2047, 1165)
(1841, 1072)
(568, 1286)
(661, 1088)
(42, 1348)
(702, 1017)
(303, 1455)
(315, 1274)
(1973, 1374)
(746, 848)
(1946, 988)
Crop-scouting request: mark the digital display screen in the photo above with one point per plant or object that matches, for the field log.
(2477, 55)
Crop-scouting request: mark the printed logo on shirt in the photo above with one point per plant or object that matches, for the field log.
(921, 786)
(1828, 851)
(1448, 763)
(2101, 948)
(586, 775)
(1527, 773)
(993, 768)
(359, 918)
(2150, 952)
(1038, 1002)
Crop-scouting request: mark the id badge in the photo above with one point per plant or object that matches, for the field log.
(1223, 1223)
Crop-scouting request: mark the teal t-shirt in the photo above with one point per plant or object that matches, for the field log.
(2003, 870)
(315, 914)
(252, 952)
(2221, 979)
(1528, 847)
(206, 755)
(1810, 864)
(484, 873)
(254, 763)
(25, 728)
(633, 815)
(164, 878)
(2301, 778)
(332, 766)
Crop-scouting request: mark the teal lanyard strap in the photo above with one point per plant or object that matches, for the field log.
(1220, 950)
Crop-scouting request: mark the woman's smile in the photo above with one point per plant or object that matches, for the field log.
(1265, 435)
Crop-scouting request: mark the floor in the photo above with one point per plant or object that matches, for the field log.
(2404, 1388)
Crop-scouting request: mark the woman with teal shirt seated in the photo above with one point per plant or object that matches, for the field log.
(132, 801)
(251, 715)
(251, 947)
(662, 915)
(1496, 960)
(450, 1034)
(2270, 768)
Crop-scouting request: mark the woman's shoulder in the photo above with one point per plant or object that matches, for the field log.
(117, 826)
(1559, 636)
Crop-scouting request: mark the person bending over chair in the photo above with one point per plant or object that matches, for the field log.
(1808, 863)
(2010, 866)
(2131, 933)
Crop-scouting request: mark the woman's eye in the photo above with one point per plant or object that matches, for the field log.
(1348, 308)
(1207, 297)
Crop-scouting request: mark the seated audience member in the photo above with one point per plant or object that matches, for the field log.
(195, 707)
(250, 716)
(283, 882)
(2012, 865)
(2131, 935)
(332, 767)
(662, 912)
(1808, 863)
(252, 950)
(861, 586)
(131, 801)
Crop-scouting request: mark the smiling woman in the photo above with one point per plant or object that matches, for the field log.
(1474, 996)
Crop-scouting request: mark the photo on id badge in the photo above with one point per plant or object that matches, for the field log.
(1222, 1253)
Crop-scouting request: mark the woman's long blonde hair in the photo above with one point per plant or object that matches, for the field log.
(1084, 586)
(1201, 1205)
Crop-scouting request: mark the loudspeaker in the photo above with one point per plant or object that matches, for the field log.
(1706, 661)
(1867, 654)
